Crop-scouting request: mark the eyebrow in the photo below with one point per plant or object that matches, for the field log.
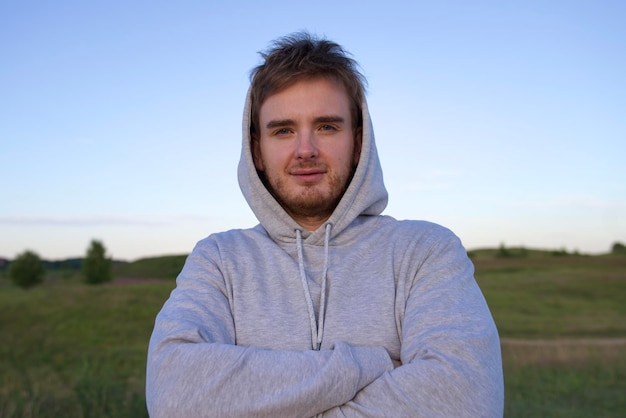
(278, 123)
(329, 119)
(286, 122)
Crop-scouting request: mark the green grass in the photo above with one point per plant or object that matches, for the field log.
(561, 299)
(555, 297)
(577, 392)
(166, 267)
(568, 380)
(73, 350)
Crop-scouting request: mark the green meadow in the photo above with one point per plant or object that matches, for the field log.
(75, 350)
(562, 320)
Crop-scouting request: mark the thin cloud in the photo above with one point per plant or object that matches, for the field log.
(578, 201)
(437, 179)
(81, 221)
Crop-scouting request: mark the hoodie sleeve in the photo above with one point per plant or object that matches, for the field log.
(451, 360)
(196, 369)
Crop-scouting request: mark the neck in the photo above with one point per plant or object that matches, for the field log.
(310, 223)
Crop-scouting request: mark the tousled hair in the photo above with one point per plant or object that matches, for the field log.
(302, 56)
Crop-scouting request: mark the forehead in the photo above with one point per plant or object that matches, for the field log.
(307, 98)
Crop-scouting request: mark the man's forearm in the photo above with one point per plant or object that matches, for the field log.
(199, 379)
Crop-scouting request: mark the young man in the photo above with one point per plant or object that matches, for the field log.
(326, 307)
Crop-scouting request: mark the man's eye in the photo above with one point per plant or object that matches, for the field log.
(327, 128)
(282, 131)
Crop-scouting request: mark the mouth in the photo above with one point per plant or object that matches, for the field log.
(308, 175)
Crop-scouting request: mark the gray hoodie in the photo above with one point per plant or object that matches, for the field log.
(239, 336)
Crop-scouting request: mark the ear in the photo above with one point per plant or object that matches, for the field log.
(255, 147)
(358, 142)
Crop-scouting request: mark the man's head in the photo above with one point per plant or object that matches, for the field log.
(301, 56)
(307, 126)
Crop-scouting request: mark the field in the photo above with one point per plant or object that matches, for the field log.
(73, 350)
(562, 319)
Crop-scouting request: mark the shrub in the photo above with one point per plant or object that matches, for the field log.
(96, 266)
(618, 248)
(560, 253)
(27, 270)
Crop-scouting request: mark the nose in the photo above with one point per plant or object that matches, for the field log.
(306, 146)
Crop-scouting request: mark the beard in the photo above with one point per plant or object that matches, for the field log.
(309, 201)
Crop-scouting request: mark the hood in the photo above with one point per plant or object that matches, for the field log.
(366, 194)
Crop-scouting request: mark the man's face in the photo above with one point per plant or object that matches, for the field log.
(307, 148)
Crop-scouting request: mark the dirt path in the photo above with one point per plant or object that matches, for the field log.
(599, 342)
(518, 352)
(133, 280)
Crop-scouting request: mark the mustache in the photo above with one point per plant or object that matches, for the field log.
(308, 165)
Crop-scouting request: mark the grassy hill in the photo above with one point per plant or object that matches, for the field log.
(73, 350)
(162, 267)
(546, 296)
(165, 267)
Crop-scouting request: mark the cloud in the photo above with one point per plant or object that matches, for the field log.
(134, 220)
(436, 179)
(81, 221)
(571, 201)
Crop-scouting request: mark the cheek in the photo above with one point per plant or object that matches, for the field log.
(267, 156)
(271, 159)
(356, 155)
(258, 162)
(257, 156)
(351, 157)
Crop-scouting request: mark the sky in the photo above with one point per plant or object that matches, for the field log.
(121, 120)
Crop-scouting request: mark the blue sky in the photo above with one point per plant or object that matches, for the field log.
(121, 120)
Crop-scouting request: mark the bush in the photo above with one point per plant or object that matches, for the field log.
(560, 253)
(503, 252)
(96, 266)
(27, 270)
(618, 248)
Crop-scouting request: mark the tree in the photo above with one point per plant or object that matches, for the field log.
(96, 266)
(27, 270)
(618, 248)
(503, 252)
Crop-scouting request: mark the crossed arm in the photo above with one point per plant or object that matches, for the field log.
(450, 360)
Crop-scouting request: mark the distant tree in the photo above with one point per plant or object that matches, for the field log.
(4, 266)
(503, 252)
(560, 253)
(27, 270)
(96, 265)
(618, 248)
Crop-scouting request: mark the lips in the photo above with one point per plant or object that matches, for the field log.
(308, 174)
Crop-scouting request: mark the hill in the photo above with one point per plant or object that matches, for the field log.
(71, 349)
(168, 266)
(164, 267)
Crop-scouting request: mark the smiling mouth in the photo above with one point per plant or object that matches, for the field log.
(308, 174)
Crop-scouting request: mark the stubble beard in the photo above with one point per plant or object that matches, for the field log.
(310, 201)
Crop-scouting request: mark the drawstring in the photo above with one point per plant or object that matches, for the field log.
(317, 330)
(305, 286)
(322, 313)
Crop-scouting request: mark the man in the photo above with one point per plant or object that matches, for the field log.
(326, 307)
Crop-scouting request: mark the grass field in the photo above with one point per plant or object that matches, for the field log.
(72, 350)
(562, 319)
